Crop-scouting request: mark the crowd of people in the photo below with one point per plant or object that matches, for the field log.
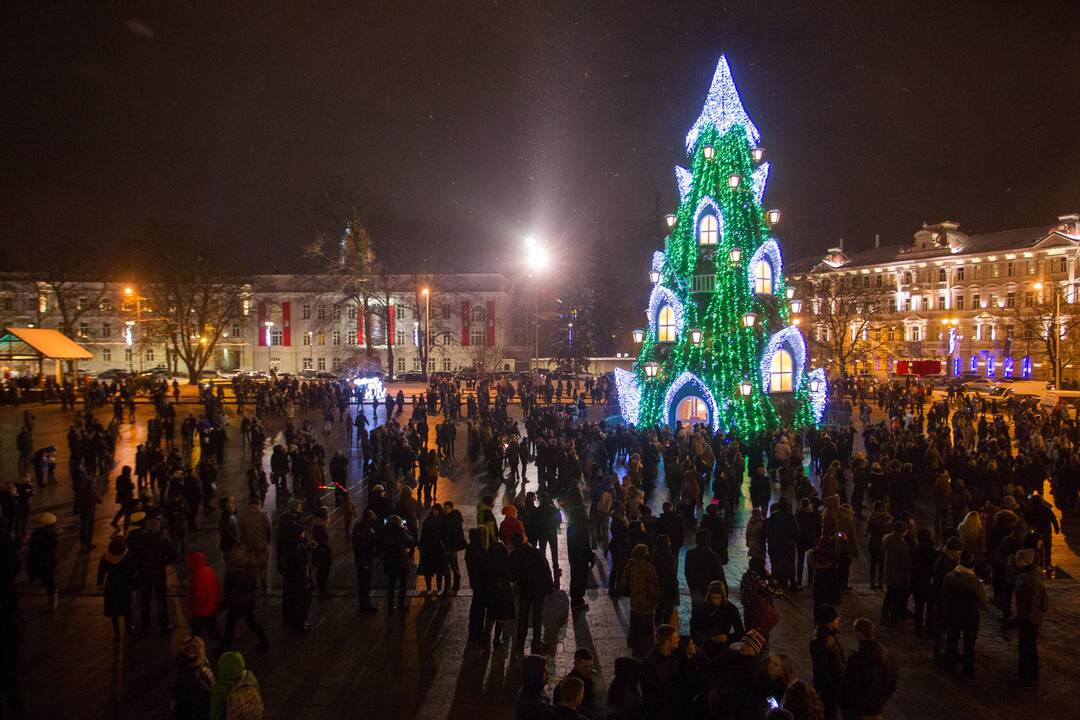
(944, 501)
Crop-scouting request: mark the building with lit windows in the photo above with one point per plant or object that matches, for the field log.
(950, 302)
(292, 323)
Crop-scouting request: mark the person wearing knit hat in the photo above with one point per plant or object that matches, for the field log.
(115, 576)
(194, 679)
(136, 518)
(752, 643)
(45, 519)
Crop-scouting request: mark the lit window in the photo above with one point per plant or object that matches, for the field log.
(665, 325)
(763, 278)
(781, 374)
(321, 338)
(708, 230)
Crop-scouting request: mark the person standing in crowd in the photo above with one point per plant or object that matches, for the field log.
(42, 557)
(395, 549)
(532, 579)
(962, 599)
(532, 702)
(640, 583)
(194, 681)
(896, 559)
(1031, 606)
(364, 546)
(623, 701)
(869, 676)
(589, 704)
(240, 587)
(452, 527)
(715, 624)
(297, 584)
(256, 535)
(828, 659)
(115, 577)
(204, 596)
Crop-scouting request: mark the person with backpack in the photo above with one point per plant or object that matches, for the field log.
(236, 689)
(194, 681)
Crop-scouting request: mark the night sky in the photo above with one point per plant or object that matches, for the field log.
(478, 123)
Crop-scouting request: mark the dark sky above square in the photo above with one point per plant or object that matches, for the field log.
(481, 122)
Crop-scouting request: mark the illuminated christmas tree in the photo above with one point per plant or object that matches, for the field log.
(720, 347)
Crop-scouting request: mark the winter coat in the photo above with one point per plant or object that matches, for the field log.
(395, 542)
(702, 566)
(897, 555)
(828, 660)
(42, 557)
(494, 583)
(453, 531)
(530, 571)
(708, 620)
(204, 589)
(1030, 591)
(869, 680)
(192, 691)
(962, 597)
(532, 702)
(809, 528)
(432, 550)
(255, 530)
(640, 583)
(755, 537)
(116, 575)
(624, 695)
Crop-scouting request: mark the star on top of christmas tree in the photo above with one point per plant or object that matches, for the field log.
(723, 109)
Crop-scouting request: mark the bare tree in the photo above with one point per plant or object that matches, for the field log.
(190, 301)
(843, 320)
(1035, 323)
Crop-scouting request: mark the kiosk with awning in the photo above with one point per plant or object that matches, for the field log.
(22, 346)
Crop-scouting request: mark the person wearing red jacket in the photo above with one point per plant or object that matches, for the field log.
(511, 526)
(204, 596)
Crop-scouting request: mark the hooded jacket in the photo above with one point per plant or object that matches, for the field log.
(230, 669)
(869, 680)
(204, 592)
(624, 695)
(532, 702)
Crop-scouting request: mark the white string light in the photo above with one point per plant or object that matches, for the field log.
(723, 109)
(663, 296)
(699, 385)
(793, 339)
(626, 384)
(818, 399)
(758, 178)
(683, 178)
(771, 250)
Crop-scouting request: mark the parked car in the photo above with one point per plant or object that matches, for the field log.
(411, 376)
(114, 374)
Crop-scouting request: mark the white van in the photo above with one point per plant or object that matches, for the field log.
(1051, 398)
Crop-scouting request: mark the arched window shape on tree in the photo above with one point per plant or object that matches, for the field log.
(665, 324)
(763, 277)
(782, 372)
(708, 230)
(478, 314)
(709, 222)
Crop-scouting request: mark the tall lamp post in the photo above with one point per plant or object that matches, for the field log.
(269, 345)
(426, 292)
(537, 260)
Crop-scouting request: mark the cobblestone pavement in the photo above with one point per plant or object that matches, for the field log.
(414, 665)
